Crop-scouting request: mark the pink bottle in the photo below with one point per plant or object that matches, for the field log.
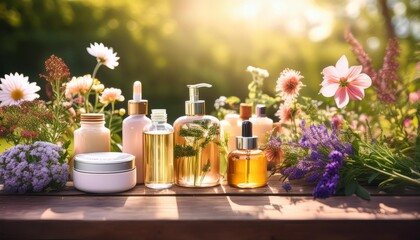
(133, 129)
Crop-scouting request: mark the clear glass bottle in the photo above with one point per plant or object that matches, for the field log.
(92, 136)
(247, 165)
(158, 152)
(132, 129)
(196, 144)
(261, 125)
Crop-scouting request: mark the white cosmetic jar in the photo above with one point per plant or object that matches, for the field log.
(104, 172)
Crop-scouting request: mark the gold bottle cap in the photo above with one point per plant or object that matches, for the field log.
(92, 117)
(245, 111)
(135, 108)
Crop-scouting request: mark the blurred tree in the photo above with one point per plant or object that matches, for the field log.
(169, 44)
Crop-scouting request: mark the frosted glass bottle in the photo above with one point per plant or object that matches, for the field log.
(158, 152)
(247, 165)
(133, 125)
(92, 136)
(232, 124)
(261, 125)
(196, 144)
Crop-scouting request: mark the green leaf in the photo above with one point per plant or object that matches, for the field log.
(372, 177)
(350, 188)
(362, 193)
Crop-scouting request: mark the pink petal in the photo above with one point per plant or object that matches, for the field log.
(330, 73)
(362, 81)
(355, 93)
(342, 66)
(329, 89)
(341, 97)
(354, 71)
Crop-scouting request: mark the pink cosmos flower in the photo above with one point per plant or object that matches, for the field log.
(344, 83)
(78, 85)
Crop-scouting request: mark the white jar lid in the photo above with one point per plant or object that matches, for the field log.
(104, 162)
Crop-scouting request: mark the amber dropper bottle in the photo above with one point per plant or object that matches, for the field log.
(247, 165)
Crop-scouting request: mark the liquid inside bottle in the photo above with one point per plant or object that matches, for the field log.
(158, 155)
(247, 169)
(158, 159)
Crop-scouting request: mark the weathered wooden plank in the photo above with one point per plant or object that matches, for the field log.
(211, 230)
(300, 188)
(95, 208)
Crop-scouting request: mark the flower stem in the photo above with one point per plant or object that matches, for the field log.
(112, 113)
(87, 94)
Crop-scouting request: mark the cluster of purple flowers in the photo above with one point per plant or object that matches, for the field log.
(35, 167)
(322, 164)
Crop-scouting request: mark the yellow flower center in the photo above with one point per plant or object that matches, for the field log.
(343, 82)
(17, 94)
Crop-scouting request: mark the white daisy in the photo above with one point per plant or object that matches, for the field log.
(104, 55)
(16, 88)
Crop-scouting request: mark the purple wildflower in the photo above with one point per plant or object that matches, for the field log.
(325, 157)
(33, 167)
(287, 187)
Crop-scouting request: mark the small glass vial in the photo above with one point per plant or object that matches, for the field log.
(247, 165)
(158, 152)
(92, 136)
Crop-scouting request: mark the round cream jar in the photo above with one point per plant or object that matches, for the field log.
(104, 172)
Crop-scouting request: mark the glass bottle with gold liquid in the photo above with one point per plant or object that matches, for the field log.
(196, 144)
(158, 152)
(247, 165)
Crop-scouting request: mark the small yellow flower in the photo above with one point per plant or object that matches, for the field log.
(121, 112)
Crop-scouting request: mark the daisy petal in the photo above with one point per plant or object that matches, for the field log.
(329, 90)
(341, 97)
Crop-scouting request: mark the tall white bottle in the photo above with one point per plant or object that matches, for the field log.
(262, 125)
(133, 129)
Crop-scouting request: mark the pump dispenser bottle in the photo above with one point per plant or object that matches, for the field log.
(262, 125)
(196, 144)
(133, 128)
(158, 152)
(247, 165)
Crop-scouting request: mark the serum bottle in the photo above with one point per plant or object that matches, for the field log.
(196, 147)
(158, 152)
(133, 126)
(247, 165)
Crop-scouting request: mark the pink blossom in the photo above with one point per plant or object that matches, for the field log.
(344, 83)
(407, 122)
(289, 84)
(414, 97)
(110, 95)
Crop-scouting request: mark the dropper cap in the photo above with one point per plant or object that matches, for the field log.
(158, 115)
(246, 141)
(260, 110)
(137, 105)
(195, 106)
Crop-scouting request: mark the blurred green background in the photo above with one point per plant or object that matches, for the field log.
(168, 44)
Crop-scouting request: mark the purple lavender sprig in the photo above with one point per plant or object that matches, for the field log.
(34, 168)
(325, 157)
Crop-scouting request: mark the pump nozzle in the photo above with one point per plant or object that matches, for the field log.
(195, 106)
(194, 93)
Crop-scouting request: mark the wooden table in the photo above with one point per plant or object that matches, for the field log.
(219, 212)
